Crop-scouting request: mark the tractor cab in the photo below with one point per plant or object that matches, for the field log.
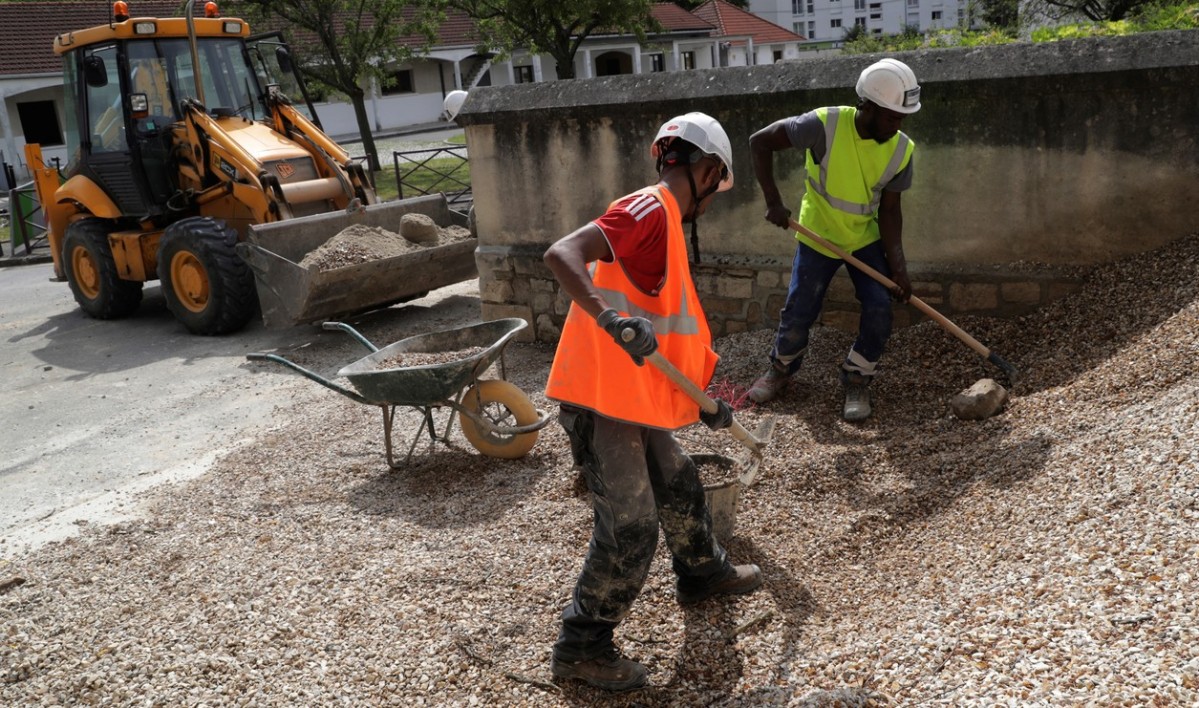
(126, 85)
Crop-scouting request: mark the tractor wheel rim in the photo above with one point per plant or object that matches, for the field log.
(189, 280)
(87, 276)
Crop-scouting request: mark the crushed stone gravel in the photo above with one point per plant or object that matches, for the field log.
(1047, 556)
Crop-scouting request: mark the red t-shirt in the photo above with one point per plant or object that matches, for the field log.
(636, 231)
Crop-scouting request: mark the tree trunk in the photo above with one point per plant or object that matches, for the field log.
(564, 64)
(358, 98)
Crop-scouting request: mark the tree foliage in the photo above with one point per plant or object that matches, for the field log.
(1003, 14)
(554, 27)
(1095, 10)
(343, 43)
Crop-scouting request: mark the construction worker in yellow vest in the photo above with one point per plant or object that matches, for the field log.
(631, 294)
(858, 163)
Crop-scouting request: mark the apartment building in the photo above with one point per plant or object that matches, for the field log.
(823, 23)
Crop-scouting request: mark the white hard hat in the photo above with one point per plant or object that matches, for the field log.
(890, 84)
(704, 132)
(452, 104)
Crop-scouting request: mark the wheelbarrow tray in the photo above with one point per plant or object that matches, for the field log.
(431, 383)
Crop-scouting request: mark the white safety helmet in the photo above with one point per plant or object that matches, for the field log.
(704, 132)
(890, 84)
(452, 104)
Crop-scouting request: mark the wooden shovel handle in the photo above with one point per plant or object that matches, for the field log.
(917, 302)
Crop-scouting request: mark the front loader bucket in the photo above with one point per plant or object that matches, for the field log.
(292, 294)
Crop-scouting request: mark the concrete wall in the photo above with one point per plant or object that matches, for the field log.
(1032, 160)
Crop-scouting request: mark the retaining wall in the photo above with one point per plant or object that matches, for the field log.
(1033, 163)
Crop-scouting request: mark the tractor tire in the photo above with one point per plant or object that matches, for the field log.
(502, 403)
(92, 273)
(206, 285)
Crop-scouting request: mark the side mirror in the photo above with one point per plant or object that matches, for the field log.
(284, 60)
(94, 72)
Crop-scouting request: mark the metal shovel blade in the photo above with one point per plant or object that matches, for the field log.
(752, 461)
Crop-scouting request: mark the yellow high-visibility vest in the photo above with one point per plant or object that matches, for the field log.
(845, 188)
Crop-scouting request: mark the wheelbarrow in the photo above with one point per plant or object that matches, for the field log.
(498, 419)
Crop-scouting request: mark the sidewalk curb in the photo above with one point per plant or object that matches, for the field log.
(25, 260)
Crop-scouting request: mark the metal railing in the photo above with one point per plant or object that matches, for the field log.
(447, 173)
(24, 220)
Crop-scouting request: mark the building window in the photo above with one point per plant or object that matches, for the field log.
(812, 29)
(657, 63)
(876, 6)
(859, 22)
(811, 7)
(859, 4)
(39, 122)
(688, 61)
(835, 23)
(523, 74)
(401, 82)
(778, 56)
(913, 3)
(797, 28)
(797, 7)
(936, 15)
(876, 16)
(876, 30)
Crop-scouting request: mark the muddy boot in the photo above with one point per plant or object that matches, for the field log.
(744, 579)
(609, 671)
(857, 397)
(769, 385)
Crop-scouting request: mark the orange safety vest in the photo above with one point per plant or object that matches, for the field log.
(591, 371)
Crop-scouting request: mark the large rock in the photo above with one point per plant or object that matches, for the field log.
(419, 228)
(982, 400)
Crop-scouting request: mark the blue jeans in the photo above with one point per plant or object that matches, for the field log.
(811, 274)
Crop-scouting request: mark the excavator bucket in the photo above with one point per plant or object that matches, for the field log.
(291, 293)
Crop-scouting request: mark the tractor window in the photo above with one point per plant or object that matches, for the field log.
(105, 109)
(70, 96)
(148, 75)
(227, 82)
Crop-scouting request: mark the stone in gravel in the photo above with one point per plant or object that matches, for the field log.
(419, 228)
(982, 400)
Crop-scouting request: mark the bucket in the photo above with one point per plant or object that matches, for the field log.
(723, 497)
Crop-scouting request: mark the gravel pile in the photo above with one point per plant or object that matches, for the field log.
(358, 243)
(1045, 556)
(411, 359)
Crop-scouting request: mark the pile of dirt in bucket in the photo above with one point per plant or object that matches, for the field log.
(410, 359)
(359, 243)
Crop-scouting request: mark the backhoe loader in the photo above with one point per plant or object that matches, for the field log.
(195, 158)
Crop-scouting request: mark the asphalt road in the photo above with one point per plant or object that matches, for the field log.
(93, 413)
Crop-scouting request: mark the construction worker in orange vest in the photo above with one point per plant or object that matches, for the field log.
(620, 414)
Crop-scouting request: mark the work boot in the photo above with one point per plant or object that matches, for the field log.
(744, 579)
(857, 397)
(769, 385)
(609, 671)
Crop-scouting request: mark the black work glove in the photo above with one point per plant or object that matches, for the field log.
(721, 418)
(642, 341)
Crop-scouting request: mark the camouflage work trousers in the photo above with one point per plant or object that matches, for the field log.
(640, 480)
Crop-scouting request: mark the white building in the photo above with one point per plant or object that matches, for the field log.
(824, 22)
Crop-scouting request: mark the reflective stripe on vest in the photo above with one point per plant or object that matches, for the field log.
(820, 186)
(591, 371)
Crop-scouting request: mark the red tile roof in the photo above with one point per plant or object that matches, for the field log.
(28, 29)
(733, 21)
(675, 19)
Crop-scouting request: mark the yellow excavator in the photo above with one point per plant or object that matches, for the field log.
(196, 158)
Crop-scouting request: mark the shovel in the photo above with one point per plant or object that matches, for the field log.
(986, 353)
(755, 443)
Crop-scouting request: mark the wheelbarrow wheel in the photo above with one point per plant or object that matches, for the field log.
(503, 404)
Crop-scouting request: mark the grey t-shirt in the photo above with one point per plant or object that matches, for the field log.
(807, 133)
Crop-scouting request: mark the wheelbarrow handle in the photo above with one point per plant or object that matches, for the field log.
(310, 375)
(352, 332)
